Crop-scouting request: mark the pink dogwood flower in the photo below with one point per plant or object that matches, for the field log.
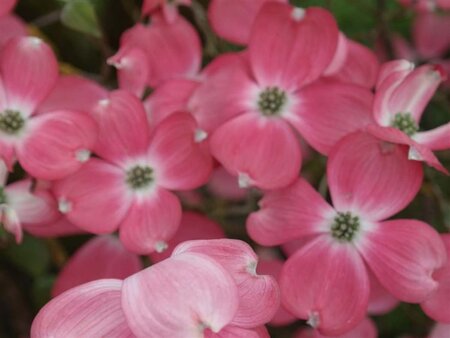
(370, 180)
(187, 295)
(128, 186)
(264, 88)
(393, 115)
(151, 54)
(48, 145)
(168, 7)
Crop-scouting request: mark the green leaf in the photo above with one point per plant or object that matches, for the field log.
(31, 256)
(80, 15)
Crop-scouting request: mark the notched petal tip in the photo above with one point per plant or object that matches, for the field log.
(83, 155)
(314, 319)
(64, 206)
(244, 181)
(298, 14)
(161, 246)
(200, 135)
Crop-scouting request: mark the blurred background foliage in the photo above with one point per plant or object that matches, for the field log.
(85, 32)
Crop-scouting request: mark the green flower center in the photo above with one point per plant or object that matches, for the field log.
(139, 177)
(271, 101)
(11, 122)
(345, 226)
(405, 123)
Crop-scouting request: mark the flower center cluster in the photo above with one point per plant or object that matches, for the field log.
(11, 121)
(405, 123)
(2, 196)
(139, 177)
(345, 226)
(271, 101)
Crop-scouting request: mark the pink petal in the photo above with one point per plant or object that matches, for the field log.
(273, 268)
(416, 152)
(132, 69)
(365, 329)
(258, 294)
(58, 228)
(403, 254)
(436, 305)
(179, 297)
(435, 139)
(193, 226)
(332, 295)
(289, 213)
(431, 33)
(172, 49)
(396, 69)
(391, 75)
(89, 310)
(324, 122)
(372, 178)
(6, 6)
(123, 127)
(227, 91)
(232, 20)
(180, 160)
(94, 198)
(7, 154)
(291, 46)
(29, 70)
(73, 92)
(11, 26)
(170, 97)
(380, 301)
(244, 144)
(57, 144)
(361, 66)
(11, 222)
(151, 222)
(111, 261)
(415, 91)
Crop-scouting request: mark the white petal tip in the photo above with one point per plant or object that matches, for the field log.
(83, 155)
(298, 14)
(251, 268)
(244, 181)
(64, 206)
(161, 246)
(313, 320)
(200, 135)
(414, 155)
(118, 64)
(34, 41)
(104, 102)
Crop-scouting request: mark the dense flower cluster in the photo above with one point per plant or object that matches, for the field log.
(122, 160)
